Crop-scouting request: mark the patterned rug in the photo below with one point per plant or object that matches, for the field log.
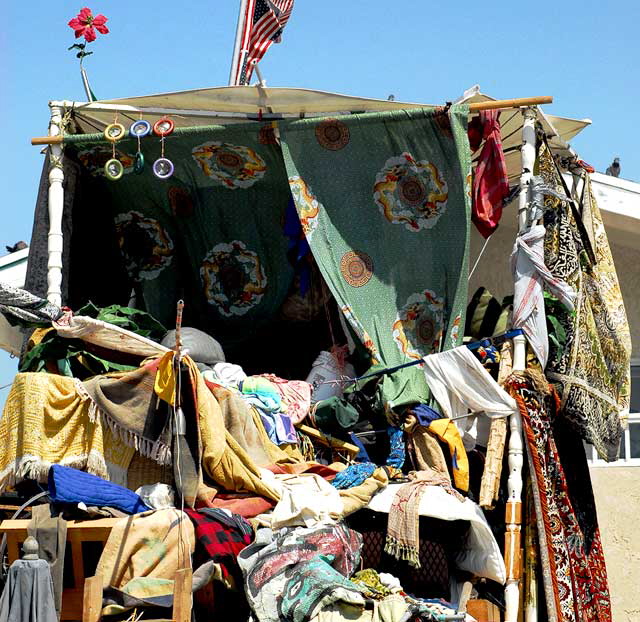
(572, 560)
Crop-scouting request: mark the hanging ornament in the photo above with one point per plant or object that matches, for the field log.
(114, 132)
(113, 169)
(163, 167)
(163, 127)
(138, 165)
(140, 128)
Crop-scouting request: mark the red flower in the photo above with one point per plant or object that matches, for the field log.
(84, 24)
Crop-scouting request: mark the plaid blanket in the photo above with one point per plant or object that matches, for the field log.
(220, 537)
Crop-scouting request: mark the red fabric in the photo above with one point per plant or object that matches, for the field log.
(490, 180)
(239, 503)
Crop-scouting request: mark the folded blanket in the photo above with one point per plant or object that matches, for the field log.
(151, 545)
(68, 485)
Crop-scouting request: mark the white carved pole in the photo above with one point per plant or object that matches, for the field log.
(512, 549)
(56, 207)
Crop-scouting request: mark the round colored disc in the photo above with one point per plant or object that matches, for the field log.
(139, 129)
(114, 132)
(138, 165)
(163, 127)
(163, 168)
(113, 169)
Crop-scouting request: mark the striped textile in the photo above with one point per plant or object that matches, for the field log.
(264, 21)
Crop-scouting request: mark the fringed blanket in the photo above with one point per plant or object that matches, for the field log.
(573, 566)
(403, 529)
(128, 405)
(47, 420)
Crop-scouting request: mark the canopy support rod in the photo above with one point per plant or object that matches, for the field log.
(210, 114)
(513, 519)
(239, 48)
(56, 207)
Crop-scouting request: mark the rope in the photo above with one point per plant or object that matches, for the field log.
(475, 265)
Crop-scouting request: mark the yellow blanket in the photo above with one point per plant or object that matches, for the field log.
(46, 421)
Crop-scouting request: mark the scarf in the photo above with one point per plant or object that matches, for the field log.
(490, 179)
(403, 529)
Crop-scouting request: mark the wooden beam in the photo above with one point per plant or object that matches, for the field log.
(473, 107)
(92, 599)
(182, 595)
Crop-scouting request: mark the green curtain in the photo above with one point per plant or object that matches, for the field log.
(211, 234)
(384, 201)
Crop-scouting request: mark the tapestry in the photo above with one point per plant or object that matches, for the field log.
(572, 559)
(384, 202)
(212, 234)
(593, 369)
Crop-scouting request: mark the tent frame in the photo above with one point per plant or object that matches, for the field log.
(55, 141)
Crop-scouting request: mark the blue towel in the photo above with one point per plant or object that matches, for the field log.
(67, 485)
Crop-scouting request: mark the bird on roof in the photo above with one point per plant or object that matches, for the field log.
(614, 168)
(18, 246)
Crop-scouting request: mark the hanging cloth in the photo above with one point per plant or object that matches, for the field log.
(530, 272)
(376, 193)
(490, 179)
(575, 574)
(592, 370)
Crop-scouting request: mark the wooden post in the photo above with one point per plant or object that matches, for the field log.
(56, 207)
(182, 595)
(512, 549)
(92, 599)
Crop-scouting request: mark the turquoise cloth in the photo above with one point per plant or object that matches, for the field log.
(384, 200)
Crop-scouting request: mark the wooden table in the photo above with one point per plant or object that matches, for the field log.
(78, 531)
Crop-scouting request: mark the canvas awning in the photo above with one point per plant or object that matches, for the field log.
(237, 104)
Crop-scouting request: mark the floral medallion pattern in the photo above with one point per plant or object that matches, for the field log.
(94, 159)
(145, 245)
(410, 193)
(419, 326)
(364, 337)
(332, 134)
(307, 204)
(233, 166)
(233, 278)
(356, 268)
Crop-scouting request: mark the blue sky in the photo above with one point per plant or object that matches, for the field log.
(586, 55)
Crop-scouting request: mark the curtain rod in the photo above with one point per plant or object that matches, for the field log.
(473, 107)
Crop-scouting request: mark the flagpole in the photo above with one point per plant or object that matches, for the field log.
(237, 48)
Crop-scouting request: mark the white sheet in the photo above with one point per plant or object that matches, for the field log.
(481, 554)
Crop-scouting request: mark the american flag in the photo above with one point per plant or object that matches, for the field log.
(264, 21)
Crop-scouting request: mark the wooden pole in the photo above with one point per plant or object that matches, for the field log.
(513, 519)
(56, 207)
(475, 107)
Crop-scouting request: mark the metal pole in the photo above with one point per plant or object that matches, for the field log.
(237, 48)
(512, 549)
(56, 207)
